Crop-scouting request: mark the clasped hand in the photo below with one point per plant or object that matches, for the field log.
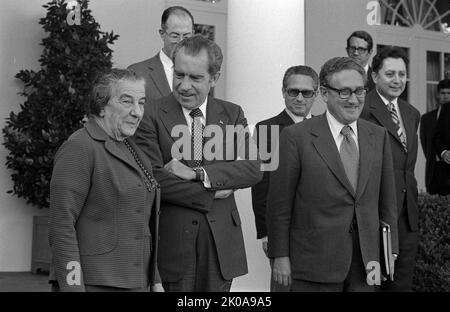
(184, 172)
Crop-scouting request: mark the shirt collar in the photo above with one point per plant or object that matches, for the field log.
(296, 118)
(165, 60)
(336, 126)
(386, 101)
(366, 68)
(201, 107)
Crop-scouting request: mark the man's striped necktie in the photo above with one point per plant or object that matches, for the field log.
(396, 120)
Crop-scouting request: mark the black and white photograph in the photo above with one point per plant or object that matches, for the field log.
(237, 147)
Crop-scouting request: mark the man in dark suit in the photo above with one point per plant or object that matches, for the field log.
(299, 90)
(176, 23)
(435, 170)
(334, 183)
(359, 48)
(442, 146)
(201, 241)
(385, 108)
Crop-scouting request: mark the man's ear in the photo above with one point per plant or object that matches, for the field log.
(214, 79)
(161, 32)
(324, 94)
(374, 76)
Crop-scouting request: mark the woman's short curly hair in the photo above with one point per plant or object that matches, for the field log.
(104, 86)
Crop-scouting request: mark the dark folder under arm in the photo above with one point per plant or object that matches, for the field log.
(387, 259)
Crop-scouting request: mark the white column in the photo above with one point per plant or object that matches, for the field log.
(265, 37)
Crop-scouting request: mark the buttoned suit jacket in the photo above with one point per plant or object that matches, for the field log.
(428, 124)
(185, 202)
(311, 202)
(156, 84)
(404, 161)
(97, 201)
(260, 190)
(441, 143)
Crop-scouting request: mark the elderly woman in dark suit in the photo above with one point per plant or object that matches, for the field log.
(104, 201)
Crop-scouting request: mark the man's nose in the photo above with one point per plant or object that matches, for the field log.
(353, 99)
(299, 97)
(185, 84)
(396, 78)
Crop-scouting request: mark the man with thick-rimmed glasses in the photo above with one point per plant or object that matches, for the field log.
(300, 84)
(334, 182)
(359, 48)
(177, 23)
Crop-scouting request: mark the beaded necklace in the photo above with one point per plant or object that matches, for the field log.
(149, 180)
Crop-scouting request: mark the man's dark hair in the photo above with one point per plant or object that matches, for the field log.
(194, 45)
(177, 10)
(301, 70)
(362, 35)
(388, 52)
(336, 65)
(443, 84)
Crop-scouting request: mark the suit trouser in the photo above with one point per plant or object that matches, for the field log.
(203, 272)
(406, 261)
(356, 280)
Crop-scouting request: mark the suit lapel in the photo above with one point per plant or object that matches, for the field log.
(284, 119)
(216, 116)
(408, 122)
(380, 112)
(366, 150)
(158, 75)
(326, 147)
(97, 133)
(171, 115)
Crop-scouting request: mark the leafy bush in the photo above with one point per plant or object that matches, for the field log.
(56, 96)
(432, 272)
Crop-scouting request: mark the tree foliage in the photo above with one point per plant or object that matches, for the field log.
(56, 97)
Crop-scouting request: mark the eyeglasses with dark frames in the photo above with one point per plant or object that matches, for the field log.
(177, 37)
(307, 94)
(346, 93)
(354, 49)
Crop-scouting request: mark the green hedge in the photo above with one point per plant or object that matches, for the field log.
(432, 272)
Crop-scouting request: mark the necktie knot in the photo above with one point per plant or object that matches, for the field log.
(392, 107)
(347, 131)
(196, 113)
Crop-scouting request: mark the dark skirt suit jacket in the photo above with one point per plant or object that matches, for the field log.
(183, 202)
(311, 203)
(98, 208)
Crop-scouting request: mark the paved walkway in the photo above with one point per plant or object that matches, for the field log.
(23, 282)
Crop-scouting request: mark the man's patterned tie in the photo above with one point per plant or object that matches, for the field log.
(197, 136)
(396, 120)
(349, 156)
